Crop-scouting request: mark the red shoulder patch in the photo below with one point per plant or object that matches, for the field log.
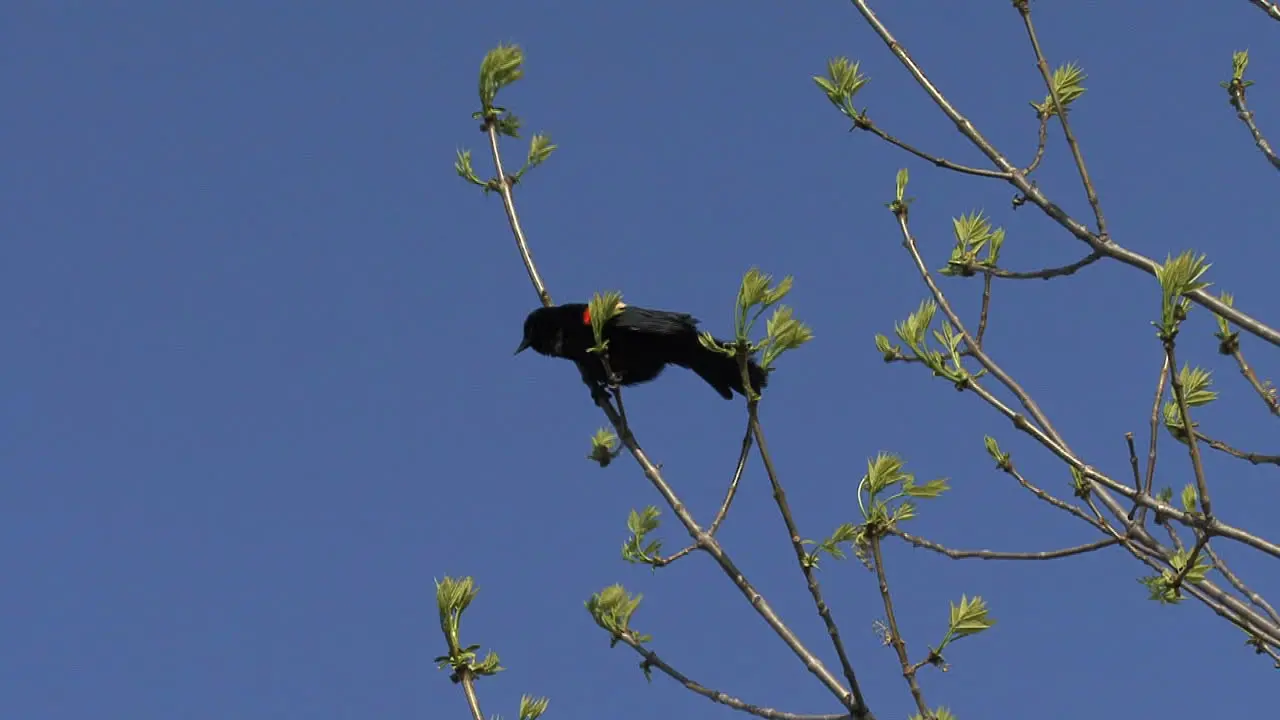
(586, 316)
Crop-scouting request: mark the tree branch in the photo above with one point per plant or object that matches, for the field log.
(1271, 9)
(863, 122)
(652, 660)
(993, 555)
(859, 708)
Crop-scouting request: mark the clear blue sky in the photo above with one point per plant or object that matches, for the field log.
(259, 391)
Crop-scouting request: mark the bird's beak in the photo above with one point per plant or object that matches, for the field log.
(524, 345)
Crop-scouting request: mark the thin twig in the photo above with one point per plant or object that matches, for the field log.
(1241, 587)
(1040, 143)
(724, 506)
(1036, 195)
(994, 555)
(859, 706)
(1045, 274)
(1236, 89)
(863, 122)
(652, 660)
(895, 635)
(509, 203)
(1193, 446)
(1024, 9)
(1155, 433)
(1222, 447)
(1265, 391)
(1133, 461)
(986, 304)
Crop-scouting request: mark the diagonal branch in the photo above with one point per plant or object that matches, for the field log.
(1222, 447)
(1045, 274)
(863, 122)
(1270, 7)
(652, 660)
(993, 555)
(1236, 90)
(824, 611)
(509, 204)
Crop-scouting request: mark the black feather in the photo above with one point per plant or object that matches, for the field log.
(642, 342)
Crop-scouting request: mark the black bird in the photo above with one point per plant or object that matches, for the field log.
(641, 343)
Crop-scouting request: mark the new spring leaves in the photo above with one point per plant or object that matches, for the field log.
(501, 67)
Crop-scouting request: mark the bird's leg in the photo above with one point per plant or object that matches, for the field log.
(615, 386)
(622, 411)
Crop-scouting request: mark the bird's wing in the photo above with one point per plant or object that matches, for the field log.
(654, 321)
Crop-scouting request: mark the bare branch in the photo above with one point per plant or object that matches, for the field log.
(509, 203)
(1273, 10)
(1254, 458)
(864, 123)
(994, 555)
(859, 707)
(724, 506)
(1236, 89)
(1241, 588)
(1045, 274)
(652, 660)
(1193, 446)
(1040, 143)
(468, 681)
(895, 635)
(1265, 390)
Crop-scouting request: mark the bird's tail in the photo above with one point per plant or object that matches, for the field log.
(722, 373)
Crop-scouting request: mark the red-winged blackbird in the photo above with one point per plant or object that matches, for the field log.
(641, 343)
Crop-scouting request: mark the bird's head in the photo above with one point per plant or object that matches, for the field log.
(543, 331)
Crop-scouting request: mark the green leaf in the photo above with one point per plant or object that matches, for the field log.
(643, 522)
(939, 713)
(602, 309)
(1178, 276)
(970, 617)
(931, 489)
(842, 82)
(783, 333)
(501, 67)
(1224, 327)
(604, 447)
(612, 609)
(540, 148)
(913, 330)
(884, 471)
(1067, 81)
(1189, 497)
(531, 708)
(463, 167)
(993, 449)
(1239, 63)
